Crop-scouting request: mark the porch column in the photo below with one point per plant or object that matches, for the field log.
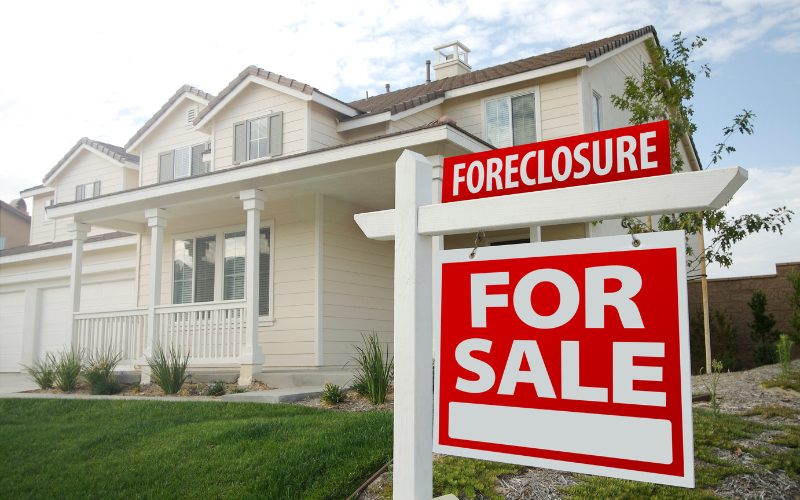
(437, 242)
(77, 233)
(251, 359)
(157, 221)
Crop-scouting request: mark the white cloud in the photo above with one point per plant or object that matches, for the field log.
(764, 191)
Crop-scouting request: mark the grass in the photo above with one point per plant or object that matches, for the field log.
(78, 449)
(793, 382)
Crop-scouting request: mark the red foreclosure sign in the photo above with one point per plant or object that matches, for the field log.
(613, 155)
(569, 355)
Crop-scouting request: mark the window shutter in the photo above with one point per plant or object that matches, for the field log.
(165, 166)
(204, 269)
(263, 272)
(239, 142)
(523, 117)
(79, 192)
(198, 167)
(276, 134)
(97, 188)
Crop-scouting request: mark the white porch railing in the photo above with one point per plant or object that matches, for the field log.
(211, 332)
(124, 331)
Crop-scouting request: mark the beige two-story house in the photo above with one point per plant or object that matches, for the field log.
(225, 226)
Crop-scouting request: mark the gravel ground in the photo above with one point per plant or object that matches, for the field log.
(742, 391)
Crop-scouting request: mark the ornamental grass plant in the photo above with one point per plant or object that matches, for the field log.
(43, 371)
(67, 369)
(375, 370)
(99, 371)
(332, 394)
(168, 368)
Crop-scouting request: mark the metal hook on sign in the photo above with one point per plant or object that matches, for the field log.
(627, 225)
(478, 240)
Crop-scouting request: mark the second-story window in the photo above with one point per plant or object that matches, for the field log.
(511, 121)
(47, 202)
(86, 191)
(182, 162)
(259, 137)
(597, 118)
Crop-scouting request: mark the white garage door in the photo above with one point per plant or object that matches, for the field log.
(111, 296)
(12, 312)
(54, 317)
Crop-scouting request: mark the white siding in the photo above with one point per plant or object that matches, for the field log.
(171, 133)
(253, 101)
(322, 128)
(418, 119)
(358, 278)
(367, 132)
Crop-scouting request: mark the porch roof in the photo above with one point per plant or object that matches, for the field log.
(361, 171)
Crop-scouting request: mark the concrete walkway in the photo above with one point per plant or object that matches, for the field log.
(14, 385)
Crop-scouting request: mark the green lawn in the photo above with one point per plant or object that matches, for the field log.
(80, 449)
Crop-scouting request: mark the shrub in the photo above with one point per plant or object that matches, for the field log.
(716, 366)
(794, 302)
(237, 389)
(136, 388)
(785, 356)
(67, 369)
(468, 477)
(761, 329)
(332, 394)
(99, 372)
(765, 354)
(43, 371)
(168, 369)
(723, 338)
(213, 389)
(376, 370)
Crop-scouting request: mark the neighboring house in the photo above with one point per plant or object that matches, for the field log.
(15, 224)
(275, 168)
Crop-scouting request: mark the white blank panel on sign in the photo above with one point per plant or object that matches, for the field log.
(613, 436)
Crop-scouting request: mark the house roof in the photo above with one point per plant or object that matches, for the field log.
(115, 152)
(14, 210)
(403, 99)
(149, 123)
(267, 75)
(58, 244)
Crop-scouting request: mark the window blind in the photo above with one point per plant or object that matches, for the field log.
(596, 111)
(204, 269)
(498, 126)
(182, 268)
(233, 270)
(198, 167)
(523, 113)
(183, 161)
(263, 272)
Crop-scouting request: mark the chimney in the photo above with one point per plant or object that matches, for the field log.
(427, 72)
(452, 59)
(387, 88)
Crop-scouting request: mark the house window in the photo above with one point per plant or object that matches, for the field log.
(86, 191)
(234, 270)
(511, 121)
(48, 202)
(193, 265)
(258, 138)
(182, 162)
(597, 118)
(2, 242)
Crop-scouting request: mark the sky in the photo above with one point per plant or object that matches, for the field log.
(101, 69)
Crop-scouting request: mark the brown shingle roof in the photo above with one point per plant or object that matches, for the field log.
(262, 73)
(14, 210)
(395, 102)
(110, 150)
(59, 244)
(165, 107)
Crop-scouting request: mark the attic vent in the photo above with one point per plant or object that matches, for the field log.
(191, 114)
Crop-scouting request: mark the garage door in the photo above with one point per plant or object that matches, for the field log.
(54, 317)
(12, 312)
(111, 296)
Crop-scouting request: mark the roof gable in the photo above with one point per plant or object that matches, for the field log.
(185, 92)
(116, 154)
(401, 100)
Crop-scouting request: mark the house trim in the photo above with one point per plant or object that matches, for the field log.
(154, 125)
(67, 249)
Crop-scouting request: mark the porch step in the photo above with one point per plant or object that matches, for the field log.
(276, 395)
(286, 379)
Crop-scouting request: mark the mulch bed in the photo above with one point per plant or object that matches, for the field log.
(152, 390)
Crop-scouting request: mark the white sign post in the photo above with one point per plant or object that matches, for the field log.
(414, 221)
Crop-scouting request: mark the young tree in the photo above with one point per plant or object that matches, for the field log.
(664, 92)
(794, 302)
(761, 330)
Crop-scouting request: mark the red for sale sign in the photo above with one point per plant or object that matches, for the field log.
(612, 155)
(570, 355)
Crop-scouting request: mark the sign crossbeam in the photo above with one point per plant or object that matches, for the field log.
(683, 192)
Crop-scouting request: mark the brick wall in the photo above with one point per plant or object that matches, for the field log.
(734, 293)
